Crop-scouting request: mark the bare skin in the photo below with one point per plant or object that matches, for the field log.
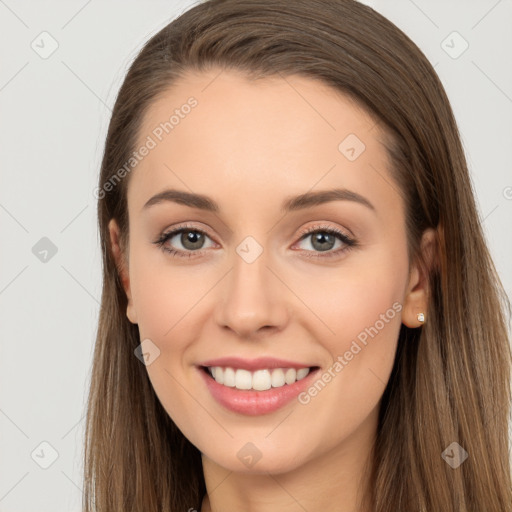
(249, 146)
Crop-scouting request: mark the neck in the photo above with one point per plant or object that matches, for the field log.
(334, 481)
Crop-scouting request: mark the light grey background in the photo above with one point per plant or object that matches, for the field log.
(53, 120)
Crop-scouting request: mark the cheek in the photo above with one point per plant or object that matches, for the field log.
(363, 294)
(362, 309)
(168, 299)
(164, 295)
(361, 320)
(165, 299)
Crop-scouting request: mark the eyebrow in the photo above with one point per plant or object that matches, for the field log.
(300, 202)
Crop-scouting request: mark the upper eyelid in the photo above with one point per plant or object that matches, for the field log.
(307, 231)
(172, 232)
(337, 232)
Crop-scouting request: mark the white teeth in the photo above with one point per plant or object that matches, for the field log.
(278, 378)
(290, 376)
(218, 375)
(302, 373)
(259, 380)
(226, 377)
(243, 379)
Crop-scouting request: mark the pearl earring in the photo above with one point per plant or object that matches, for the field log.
(421, 317)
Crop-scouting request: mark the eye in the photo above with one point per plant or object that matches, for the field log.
(323, 239)
(190, 238)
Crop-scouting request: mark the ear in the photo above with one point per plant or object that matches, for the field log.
(122, 267)
(417, 293)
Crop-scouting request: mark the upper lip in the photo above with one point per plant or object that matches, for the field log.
(254, 364)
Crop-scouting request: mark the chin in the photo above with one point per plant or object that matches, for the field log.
(252, 461)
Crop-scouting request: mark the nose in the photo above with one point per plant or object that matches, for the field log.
(252, 301)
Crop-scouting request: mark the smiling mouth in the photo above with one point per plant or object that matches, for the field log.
(258, 380)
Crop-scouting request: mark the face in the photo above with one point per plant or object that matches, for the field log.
(272, 284)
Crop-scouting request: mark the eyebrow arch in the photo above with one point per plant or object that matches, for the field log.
(294, 203)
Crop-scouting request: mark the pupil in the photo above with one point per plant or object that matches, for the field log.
(322, 238)
(192, 237)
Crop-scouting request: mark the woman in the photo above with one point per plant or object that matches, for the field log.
(299, 310)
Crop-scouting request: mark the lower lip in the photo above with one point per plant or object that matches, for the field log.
(254, 403)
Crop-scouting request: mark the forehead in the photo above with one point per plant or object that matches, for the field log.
(221, 128)
(228, 99)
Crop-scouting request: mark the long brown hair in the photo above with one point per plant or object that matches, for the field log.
(451, 378)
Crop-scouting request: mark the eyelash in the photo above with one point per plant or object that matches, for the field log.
(348, 241)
